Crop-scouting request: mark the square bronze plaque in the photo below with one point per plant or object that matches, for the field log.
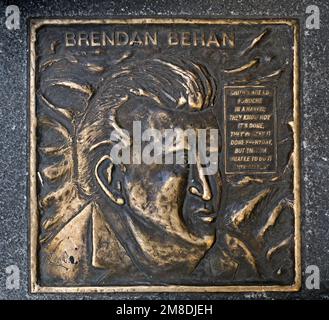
(100, 225)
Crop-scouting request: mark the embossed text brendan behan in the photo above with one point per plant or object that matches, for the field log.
(173, 38)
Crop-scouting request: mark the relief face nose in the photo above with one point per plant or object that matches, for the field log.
(205, 195)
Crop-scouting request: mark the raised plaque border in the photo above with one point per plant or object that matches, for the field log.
(35, 24)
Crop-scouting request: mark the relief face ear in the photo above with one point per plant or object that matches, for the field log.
(104, 173)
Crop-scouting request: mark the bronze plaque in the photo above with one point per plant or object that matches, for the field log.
(114, 206)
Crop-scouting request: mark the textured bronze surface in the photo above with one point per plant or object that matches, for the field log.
(138, 230)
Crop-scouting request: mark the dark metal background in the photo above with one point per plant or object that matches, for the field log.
(14, 242)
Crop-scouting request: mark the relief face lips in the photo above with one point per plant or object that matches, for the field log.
(111, 211)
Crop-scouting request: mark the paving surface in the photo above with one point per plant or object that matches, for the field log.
(14, 214)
